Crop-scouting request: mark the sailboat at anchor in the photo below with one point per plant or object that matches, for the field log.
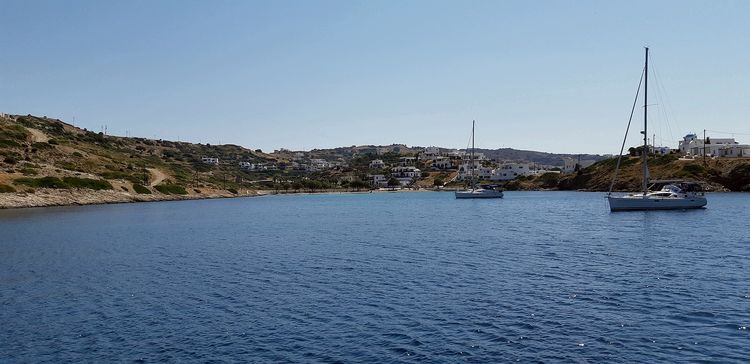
(673, 195)
(473, 191)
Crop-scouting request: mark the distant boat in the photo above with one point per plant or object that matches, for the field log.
(668, 195)
(483, 191)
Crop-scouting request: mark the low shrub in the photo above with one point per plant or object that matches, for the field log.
(42, 146)
(65, 183)
(6, 188)
(171, 189)
(29, 171)
(90, 183)
(44, 182)
(232, 190)
(141, 189)
(9, 144)
(693, 169)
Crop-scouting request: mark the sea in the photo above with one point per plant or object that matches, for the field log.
(547, 277)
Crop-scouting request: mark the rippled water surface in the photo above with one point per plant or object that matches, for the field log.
(399, 277)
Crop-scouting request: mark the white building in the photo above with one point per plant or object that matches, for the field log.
(693, 146)
(441, 163)
(735, 151)
(660, 150)
(406, 172)
(480, 172)
(431, 152)
(319, 164)
(455, 153)
(210, 160)
(378, 180)
(569, 165)
(509, 171)
(247, 166)
(407, 161)
(377, 164)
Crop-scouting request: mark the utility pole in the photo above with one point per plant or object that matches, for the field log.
(704, 146)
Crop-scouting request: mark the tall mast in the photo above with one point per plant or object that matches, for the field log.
(645, 126)
(472, 155)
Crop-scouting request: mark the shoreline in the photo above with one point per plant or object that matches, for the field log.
(56, 198)
(60, 198)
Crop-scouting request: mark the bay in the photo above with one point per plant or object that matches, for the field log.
(380, 277)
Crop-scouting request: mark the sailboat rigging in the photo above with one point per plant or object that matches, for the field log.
(673, 195)
(474, 192)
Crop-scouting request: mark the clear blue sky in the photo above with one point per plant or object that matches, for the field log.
(554, 76)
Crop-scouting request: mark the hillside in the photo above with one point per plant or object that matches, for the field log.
(52, 159)
(46, 161)
(729, 174)
(543, 158)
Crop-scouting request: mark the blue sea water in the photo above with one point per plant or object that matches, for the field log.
(382, 277)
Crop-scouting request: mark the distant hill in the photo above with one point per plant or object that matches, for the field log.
(544, 158)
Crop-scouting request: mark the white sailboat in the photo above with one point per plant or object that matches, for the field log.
(473, 191)
(672, 195)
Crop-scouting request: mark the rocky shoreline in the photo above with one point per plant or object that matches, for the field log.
(54, 197)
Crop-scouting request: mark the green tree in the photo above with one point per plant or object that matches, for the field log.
(393, 182)
(438, 182)
(358, 184)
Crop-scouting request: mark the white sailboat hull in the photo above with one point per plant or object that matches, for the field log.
(641, 203)
(479, 193)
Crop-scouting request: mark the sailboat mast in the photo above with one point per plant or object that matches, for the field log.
(645, 126)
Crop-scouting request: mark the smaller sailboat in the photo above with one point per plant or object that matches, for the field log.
(673, 195)
(483, 191)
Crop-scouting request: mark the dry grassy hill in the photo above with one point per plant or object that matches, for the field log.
(715, 174)
(42, 155)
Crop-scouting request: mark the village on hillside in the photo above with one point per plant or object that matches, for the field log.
(42, 158)
(400, 166)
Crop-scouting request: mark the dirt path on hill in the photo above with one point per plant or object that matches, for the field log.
(37, 136)
(157, 176)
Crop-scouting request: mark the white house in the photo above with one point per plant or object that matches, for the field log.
(210, 160)
(407, 161)
(456, 154)
(378, 180)
(660, 150)
(569, 165)
(735, 151)
(509, 171)
(441, 163)
(480, 172)
(430, 152)
(377, 164)
(247, 166)
(406, 172)
(694, 146)
(319, 164)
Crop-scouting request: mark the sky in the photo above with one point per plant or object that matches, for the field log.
(556, 76)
